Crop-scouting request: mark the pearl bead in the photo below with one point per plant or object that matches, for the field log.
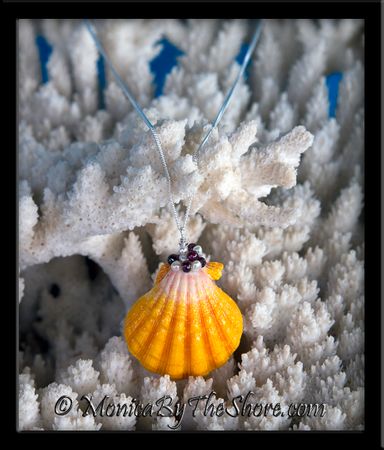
(183, 257)
(202, 261)
(176, 266)
(195, 266)
(198, 249)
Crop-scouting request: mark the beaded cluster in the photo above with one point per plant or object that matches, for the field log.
(190, 259)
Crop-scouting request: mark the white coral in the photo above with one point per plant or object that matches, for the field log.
(78, 422)
(116, 365)
(50, 397)
(29, 408)
(81, 377)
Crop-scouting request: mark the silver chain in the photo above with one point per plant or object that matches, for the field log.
(127, 93)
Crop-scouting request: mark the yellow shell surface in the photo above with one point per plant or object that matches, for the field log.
(185, 325)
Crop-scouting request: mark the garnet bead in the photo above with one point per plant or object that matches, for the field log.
(186, 266)
(192, 255)
(190, 246)
(172, 258)
(202, 261)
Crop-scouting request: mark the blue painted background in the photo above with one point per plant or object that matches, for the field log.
(162, 64)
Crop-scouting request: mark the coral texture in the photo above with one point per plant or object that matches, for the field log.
(278, 199)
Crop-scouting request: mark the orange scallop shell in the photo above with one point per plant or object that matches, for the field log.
(185, 325)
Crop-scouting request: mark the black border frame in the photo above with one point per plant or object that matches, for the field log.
(370, 11)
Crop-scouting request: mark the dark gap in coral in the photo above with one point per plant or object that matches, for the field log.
(362, 215)
(42, 343)
(163, 63)
(243, 347)
(333, 331)
(114, 290)
(99, 323)
(22, 342)
(295, 420)
(33, 341)
(93, 268)
(45, 50)
(38, 316)
(55, 290)
(146, 242)
(37, 198)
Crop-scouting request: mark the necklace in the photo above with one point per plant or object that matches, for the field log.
(185, 325)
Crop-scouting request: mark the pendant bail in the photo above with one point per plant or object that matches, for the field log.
(183, 245)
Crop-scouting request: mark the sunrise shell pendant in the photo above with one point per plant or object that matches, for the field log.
(185, 325)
